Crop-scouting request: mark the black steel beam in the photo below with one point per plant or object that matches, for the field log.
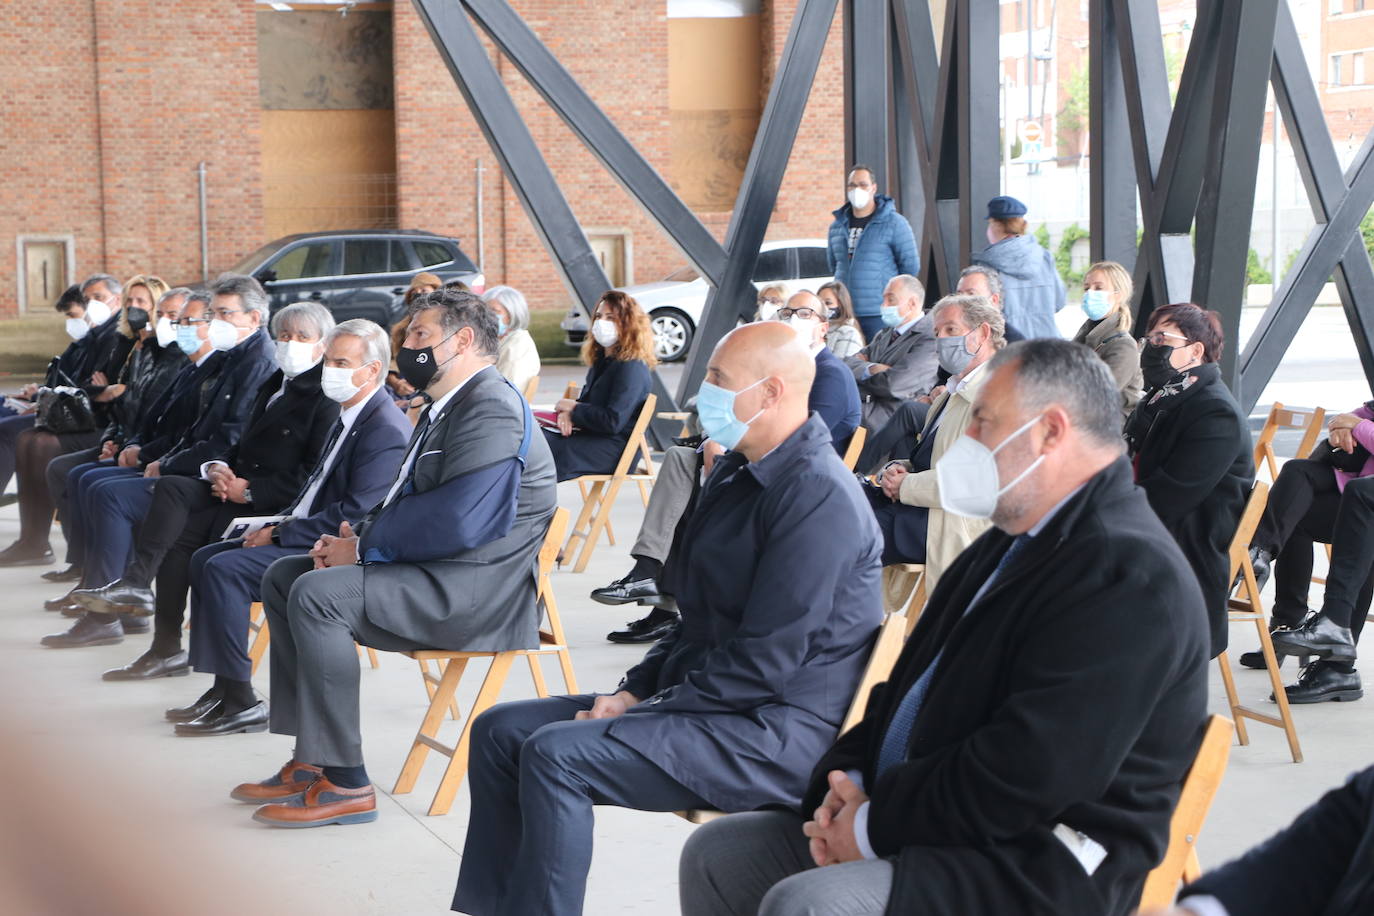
(977, 143)
(866, 77)
(758, 193)
(1112, 180)
(1227, 202)
(600, 135)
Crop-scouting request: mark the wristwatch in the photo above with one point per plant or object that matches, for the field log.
(276, 535)
(248, 494)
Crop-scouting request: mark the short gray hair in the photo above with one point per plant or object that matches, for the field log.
(376, 342)
(1050, 371)
(460, 309)
(513, 301)
(304, 316)
(249, 291)
(910, 285)
(175, 291)
(990, 274)
(110, 282)
(197, 295)
(977, 310)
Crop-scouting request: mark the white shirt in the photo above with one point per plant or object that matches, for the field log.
(347, 417)
(413, 453)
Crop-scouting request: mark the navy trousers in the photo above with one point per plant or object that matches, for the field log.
(10, 428)
(226, 578)
(535, 774)
(114, 507)
(81, 481)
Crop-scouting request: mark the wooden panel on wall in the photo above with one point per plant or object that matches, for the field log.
(319, 59)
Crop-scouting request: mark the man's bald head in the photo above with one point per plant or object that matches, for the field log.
(770, 369)
(806, 300)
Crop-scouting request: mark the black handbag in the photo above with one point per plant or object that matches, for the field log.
(1339, 458)
(64, 410)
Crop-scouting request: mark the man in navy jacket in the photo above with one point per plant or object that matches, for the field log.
(777, 619)
(868, 244)
(364, 450)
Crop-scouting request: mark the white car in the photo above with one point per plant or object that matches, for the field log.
(674, 303)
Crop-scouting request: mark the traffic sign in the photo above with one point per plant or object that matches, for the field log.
(1030, 132)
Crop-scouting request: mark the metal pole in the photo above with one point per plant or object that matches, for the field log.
(204, 226)
(1274, 223)
(1006, 135)
(481, 234)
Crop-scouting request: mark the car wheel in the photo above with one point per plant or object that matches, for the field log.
(672, 334)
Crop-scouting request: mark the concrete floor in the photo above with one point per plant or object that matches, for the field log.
(126, 764)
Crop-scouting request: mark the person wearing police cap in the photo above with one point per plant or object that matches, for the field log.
(1032, 290)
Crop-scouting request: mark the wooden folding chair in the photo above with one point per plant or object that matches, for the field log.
(856, 446)
(453, 664)
(886, 648)
(904, 588)
(1246, 607)
(261, 636)
(531, 389)
(600, 490)
(1308, 419)
(1180, 863)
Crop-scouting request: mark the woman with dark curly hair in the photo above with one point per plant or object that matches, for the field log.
(592, 430)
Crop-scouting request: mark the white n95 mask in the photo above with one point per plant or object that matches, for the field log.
(967, 474)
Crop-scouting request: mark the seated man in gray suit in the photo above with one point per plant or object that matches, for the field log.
(777, 619)
(899, 363)
(447, 560)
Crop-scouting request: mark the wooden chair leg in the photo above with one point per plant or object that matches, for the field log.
(372, 657)
(1280, 695)
(458, 764)
(1232, 700)
(590, 503)
(259, 639)
(598, 522)
(1192, 869)
(917, 603)
(541, 689)
(565, 663)
(429, 725)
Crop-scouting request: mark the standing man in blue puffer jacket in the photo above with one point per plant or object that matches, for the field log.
(1032, 290)
(869, 243)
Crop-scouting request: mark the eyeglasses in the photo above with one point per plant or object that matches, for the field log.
(804, 312)
(187, 322)
(770, 300)
(1157, 338)
(223, 314)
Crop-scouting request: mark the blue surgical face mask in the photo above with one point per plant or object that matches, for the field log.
(892, 316)
(187, 339)
(716, 411)
(502, 326)
(1096, 304)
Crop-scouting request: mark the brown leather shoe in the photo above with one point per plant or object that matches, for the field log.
(322, 803)
(292, 779)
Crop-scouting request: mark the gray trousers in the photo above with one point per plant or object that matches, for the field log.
(668, 501)
(759, 863)
(315, 617)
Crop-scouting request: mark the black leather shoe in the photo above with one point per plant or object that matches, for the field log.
(1263, 561)
(207, 703)
(1317, 636)
(21, 554)
(689, 441)
(133, 626)
(627, 591)
(58, 603)
(148, 666)
(252, 719)
(1256, 659)
(116, 598)
(87, 631)
(647, 629)
(71, 574)
(1319, 682)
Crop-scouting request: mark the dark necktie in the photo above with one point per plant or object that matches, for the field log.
(421, 428)
(319, 469)
(893, 749)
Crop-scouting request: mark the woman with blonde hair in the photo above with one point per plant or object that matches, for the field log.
(1107, 291)
(592, 430)
(769, 300)
(517, 358)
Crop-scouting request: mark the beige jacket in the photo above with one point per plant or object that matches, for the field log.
(517, 358)
(946, 535)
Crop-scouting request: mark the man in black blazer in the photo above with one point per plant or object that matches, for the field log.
(1026, 753)
(730, 709)
(899, 362)
(259, 475)
(237, 315)
(354, 471)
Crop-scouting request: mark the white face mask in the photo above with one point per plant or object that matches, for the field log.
(605, 333)
(77, 328)
(805, 328)
(223, 335)
(166, 332)
(337, 383)
(967, 475)
(859, 198)
(295, 357)
(97, 312)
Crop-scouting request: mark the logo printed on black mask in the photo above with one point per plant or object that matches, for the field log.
(422, 358)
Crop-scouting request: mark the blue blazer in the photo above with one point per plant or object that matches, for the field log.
(887, 248)
(835, 396)
(366, 468)
(177, 409)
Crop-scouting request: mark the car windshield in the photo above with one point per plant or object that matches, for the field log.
(682, 275)
(254, 260)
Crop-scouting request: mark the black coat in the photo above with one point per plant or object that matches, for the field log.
(281, 442)
(753, 683)
(605, 413)
(1317, 866)
(171, 415)
(149, 372)
(108, 352)
(1194, 457)
(1074, 691)
(227, 406)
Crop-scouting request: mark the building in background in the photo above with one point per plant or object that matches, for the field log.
(314, 115)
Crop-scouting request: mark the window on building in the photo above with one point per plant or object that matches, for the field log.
(1334, 79)
(1357, 69)
(1359, 5)
(1334, 7)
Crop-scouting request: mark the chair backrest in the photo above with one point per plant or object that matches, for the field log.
(548, 558)
(571, 390)
(1245, 530)
(856, 446)
(1307, 419)
(531, 388)
(637, 441)
(1199, 787)
(886, 648)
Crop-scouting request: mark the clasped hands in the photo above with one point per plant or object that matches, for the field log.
(832, 829)
(336, 551)
(891, 480)
(564, 409)
(1341, 431)
(225, 485)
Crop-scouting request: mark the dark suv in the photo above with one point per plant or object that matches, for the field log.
(361, 274)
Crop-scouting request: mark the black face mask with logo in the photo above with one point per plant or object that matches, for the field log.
(418, 365)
